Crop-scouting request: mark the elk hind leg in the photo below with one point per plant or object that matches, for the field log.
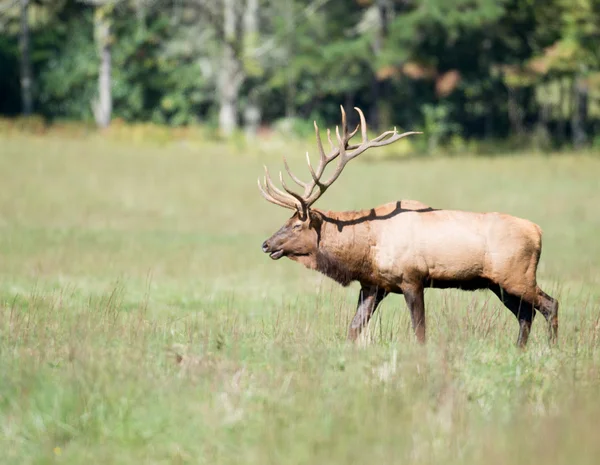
(548, 306)
(415, 301)
(523, 310)
(369, 299)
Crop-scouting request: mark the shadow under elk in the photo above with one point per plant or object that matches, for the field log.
(406, 246)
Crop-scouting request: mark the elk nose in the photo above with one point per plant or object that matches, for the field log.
(265, 246)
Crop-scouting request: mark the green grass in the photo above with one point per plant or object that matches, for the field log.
(141, 323)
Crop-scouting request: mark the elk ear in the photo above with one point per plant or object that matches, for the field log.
(315, 220)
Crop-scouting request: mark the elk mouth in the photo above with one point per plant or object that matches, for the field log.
(276, 255)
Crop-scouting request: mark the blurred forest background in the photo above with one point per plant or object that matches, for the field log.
(525, 72)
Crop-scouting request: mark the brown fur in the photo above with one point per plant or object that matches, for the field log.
(403, 247)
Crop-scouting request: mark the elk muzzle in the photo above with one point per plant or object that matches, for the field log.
(274, 254)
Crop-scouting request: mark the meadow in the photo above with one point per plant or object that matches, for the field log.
(141, 323)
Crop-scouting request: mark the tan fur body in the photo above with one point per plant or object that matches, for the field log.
(408, 241)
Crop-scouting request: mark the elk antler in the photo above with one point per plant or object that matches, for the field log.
(315, 189)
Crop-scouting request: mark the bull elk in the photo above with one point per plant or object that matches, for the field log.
(405, 246)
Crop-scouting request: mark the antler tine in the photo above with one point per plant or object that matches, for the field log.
(322, 156)
(344, 125)
(310, 168)
(347, 136)
(324, 159)
(363, 125)
(339, 138)
(329, 139)
(277, 193)
(342, 145)
(272, 199)
(291, 192)
(380, 140)
(347, 153)
(344, 152)
(384, 135)
(292, 175)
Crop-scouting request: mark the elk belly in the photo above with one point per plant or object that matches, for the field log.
(453, 254)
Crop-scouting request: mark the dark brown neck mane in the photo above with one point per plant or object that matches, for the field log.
(331, 267)
(344, 246)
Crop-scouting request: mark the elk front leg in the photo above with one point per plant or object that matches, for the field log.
(415, 301)
(368, 300)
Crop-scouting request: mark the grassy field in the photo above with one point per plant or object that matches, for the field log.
(141, 323)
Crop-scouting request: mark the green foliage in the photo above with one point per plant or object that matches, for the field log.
(182, 94)
(69, 78)
(389, 57)
(437, 125)
(67, 82)
(139, 77)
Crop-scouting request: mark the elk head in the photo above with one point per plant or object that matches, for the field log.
(299, 236)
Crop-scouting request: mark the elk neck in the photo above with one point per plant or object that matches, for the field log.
(344, 245)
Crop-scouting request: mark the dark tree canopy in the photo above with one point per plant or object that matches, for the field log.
(466, 69)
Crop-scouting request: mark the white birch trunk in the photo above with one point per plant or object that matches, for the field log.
(229, 79)
(26, 73)
(103, 105)
(252, 112)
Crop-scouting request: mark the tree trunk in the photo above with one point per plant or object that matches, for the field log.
(515, 112)
(102, 106)
(227, 112)
(231, 76)
(251, 22)
(252, 112)
(488, 131)
(252, 116)
(562, 114)
(228, 91)
(290, 94)
(579, 114)
(26, 73)
(382, 112)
